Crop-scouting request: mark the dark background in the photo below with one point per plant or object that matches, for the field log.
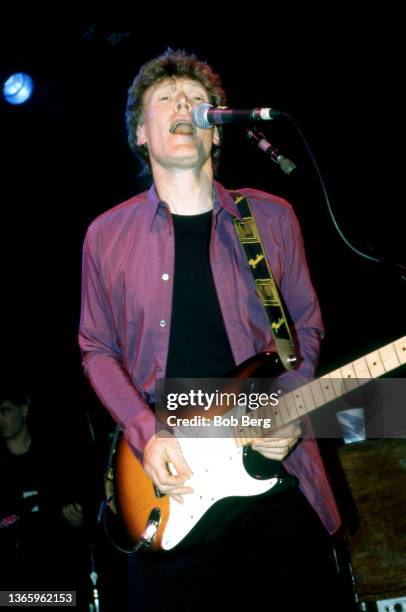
(65, 160)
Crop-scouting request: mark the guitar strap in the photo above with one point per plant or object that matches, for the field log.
(249, 236)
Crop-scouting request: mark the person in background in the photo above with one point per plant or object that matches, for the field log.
(42, 516)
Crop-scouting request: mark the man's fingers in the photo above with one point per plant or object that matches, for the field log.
(291, 430)
(176, 461)
(166, 482)
(178, 498)
(274, 456)
(277, 448)
(166, 466)
(175, 491)
(72, 510)
(164, 475)
(172, 482)
(166, 458)
(274, 443)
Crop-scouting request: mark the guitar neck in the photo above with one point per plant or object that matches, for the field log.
(321, 391)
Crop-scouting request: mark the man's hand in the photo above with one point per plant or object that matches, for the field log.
(278, 448)
(73, 514)
(166, 466)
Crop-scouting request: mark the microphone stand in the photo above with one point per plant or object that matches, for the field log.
(94, 603)
(287, 166)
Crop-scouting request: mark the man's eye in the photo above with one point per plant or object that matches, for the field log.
(198, 98)
(163, 98)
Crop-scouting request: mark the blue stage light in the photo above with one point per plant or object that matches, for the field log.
(18, 88)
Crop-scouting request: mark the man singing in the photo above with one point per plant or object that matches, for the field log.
(167, 293)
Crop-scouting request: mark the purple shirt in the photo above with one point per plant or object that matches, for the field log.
(127, 285)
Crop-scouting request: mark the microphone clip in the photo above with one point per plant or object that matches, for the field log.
(258, 139)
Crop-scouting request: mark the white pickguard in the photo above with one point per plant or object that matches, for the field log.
(218, 472)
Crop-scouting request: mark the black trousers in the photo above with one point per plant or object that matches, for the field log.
(278, 556)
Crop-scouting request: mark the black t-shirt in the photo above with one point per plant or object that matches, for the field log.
(21, 479)
(199, 346)
(31, 496)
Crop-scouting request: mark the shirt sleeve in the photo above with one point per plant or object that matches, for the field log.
(301, 302)
(102, 357)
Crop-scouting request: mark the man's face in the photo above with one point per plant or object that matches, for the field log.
(12, 419)
(167, 129)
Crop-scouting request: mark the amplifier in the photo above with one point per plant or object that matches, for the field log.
(375, 471)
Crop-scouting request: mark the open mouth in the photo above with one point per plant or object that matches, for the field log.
(183, 127)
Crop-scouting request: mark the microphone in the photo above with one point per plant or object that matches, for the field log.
(206, 115)
(259, 140)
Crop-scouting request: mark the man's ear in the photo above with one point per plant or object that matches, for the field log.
(216, 136)
(141, 139)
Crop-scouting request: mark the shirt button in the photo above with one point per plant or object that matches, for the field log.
(162, 323)
(165, 277)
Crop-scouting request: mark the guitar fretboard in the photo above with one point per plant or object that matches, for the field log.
(325, 389)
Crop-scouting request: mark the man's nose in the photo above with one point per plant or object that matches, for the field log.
(182, 102)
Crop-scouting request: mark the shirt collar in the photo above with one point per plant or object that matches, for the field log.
(222, 200)
(154, 204)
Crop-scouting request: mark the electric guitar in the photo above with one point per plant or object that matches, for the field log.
(226, 468)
